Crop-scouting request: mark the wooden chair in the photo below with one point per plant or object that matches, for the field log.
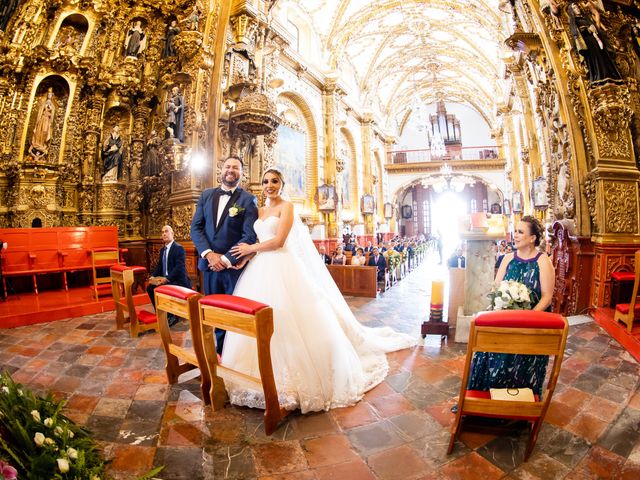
(628, 312)
(102, 259)
(182, 302)
(246, 317)
(516, 332)
(122, 280)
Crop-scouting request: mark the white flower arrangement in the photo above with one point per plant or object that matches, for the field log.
(510, 295)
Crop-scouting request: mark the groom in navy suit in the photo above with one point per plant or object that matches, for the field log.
(224, 217)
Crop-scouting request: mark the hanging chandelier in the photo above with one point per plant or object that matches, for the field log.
(438, 149)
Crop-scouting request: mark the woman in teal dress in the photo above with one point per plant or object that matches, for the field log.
(534, 269)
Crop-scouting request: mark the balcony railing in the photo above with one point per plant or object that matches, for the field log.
(485, 152)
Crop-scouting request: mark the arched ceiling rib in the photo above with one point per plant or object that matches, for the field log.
(400, 50)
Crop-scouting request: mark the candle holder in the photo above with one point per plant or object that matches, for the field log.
(435, 325)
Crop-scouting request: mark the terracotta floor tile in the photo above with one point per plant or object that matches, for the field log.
(328, 450)
(442, 412)
(82, 403)
(380, 390)
(313, 425)
(397, 464)
(471, 466)
(304, 475)
(431, 373)
(112, 407)
(588, 426)
(121, 390)
(152, 392)
(278, 457)
(603, 409)
(356, 416)
(134, 459)
(572, 397)
(475, 440)
(391, 405)
(559, 414)
(600, 463)
(182, 435)
(355, 470)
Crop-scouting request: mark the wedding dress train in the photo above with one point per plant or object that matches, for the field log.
(322, 356)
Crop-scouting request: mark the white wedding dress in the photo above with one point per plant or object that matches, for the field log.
(322, 356)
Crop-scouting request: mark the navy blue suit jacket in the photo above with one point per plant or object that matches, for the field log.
(176, 263)
(233, 229)
(382, 263)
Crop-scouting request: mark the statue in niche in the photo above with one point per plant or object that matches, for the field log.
(136, 40)
(172, 31)
(112, 156)
(43, 128)
(175, 115)
(193, 19)
(152, 159)
(6, 12)
(589, 40)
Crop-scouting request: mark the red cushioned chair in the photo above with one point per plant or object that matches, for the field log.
(628, 312)
(516, 332)
(246, 317)
(182, 302)
(122, 280)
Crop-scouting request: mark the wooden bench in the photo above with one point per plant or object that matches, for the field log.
(354, 281)
(35, 251)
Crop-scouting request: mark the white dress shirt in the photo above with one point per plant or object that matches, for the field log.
(165, 260)
(222, 203)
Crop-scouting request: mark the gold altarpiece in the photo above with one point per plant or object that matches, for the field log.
(579, 136)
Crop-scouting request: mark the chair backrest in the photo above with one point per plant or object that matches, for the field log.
(122, 278)
(102, 259)
(245, 317)
(636, 284)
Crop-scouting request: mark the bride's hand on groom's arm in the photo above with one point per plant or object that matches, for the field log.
(240, 265)
(242, 250)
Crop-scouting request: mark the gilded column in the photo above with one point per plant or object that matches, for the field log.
(366, 133)
(330, 160)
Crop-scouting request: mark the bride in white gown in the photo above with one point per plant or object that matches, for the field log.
(322, 356)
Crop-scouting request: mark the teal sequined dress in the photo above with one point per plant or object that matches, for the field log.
(502, 370)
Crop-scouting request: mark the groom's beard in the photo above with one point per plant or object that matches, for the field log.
(230, 180)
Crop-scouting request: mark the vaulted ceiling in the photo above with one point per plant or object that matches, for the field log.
(398, 50)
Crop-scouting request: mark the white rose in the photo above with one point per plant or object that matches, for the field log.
(48, 422)
(5, 389)
(514, 291)
(233, 211)
(499, 303)
(72, 453)
(58, 430)
(38, 438)
(63, 465)
(70, 433)
(503, 288)
(524, 293)
(49, 441)
(36, 415)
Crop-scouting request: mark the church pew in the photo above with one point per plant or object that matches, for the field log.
(35, 251)
(354, 281)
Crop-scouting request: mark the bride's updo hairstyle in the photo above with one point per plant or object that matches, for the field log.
(277, 173)
(535, 228)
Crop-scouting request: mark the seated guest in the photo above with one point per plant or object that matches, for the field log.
(349, 247)
(378, 260)
(323, 255)
(170, 269)
(369, 247)
(457, 260)
(358, 259)
(339, 258)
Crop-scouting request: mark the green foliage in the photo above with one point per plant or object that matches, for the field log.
(39, 441)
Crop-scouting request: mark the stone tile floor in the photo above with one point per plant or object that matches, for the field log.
(116, 386)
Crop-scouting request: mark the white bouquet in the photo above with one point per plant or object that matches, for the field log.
(510, 295)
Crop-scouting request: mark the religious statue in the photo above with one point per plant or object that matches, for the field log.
(43, 127)
(136, 40)
(152, 163)
(175, 115)
(112, 156)
(6, 12)
(172, 31)
(590, 42)
(193, 19)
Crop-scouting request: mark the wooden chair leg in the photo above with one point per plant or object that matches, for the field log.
(533, 438)
(455, 430)
(172, 361)
(217, 391)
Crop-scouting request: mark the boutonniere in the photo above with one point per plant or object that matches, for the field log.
(235, 210)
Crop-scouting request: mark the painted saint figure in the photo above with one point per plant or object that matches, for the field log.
(43, 127)
(175, 115)
(193, 19)
(591, 43)
(112, 156)
(172, 31)
(136, 40)
(152, 166)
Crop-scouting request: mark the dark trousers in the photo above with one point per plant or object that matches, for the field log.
(221, 282)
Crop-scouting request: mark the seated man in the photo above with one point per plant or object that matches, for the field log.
(456, 260)
(323, 255)
(170, 269)
(378, 260)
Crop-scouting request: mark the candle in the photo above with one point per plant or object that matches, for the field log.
(437, 287)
